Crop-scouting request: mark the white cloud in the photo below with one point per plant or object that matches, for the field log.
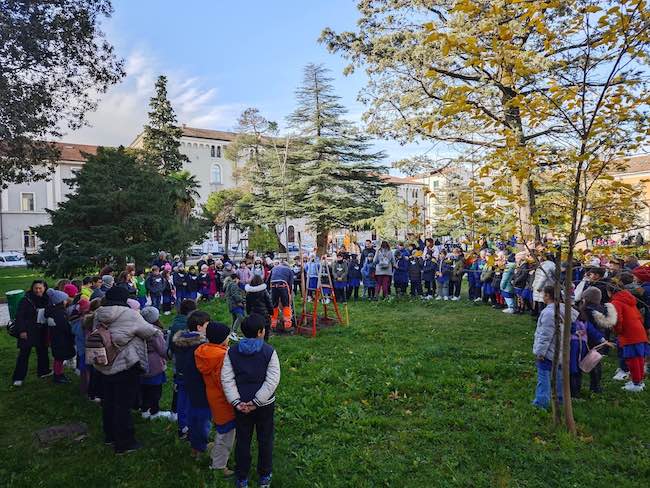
(123, 110)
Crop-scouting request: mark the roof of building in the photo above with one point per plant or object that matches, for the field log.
(399, 180)
(218, 135)
(75, 152)
(636, 164)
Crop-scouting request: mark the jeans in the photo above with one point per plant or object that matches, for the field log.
(416, 288)
(454, 288)
(156, 299)
(199, 420)
(543, 389)
(510, 302)
(443, 289)
(182, 406)
(260, 420)
(120, 396)
(42, 357)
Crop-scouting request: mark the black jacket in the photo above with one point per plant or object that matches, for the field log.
(61, 338)
(26, 316)
(258, 300)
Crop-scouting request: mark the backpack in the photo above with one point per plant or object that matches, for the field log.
(100, 350)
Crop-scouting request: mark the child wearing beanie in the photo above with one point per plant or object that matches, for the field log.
(151, 383)
(594, 313)
(209, 359)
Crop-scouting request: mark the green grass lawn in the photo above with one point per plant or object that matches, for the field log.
(17, 279)
(409, 395)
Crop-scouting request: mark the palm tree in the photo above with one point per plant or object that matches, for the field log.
(185, 191)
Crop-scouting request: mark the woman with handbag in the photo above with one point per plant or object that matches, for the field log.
(31, 332)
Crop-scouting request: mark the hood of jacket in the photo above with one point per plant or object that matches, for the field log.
(248, 347)
(186, 338)
(608, 319)
(109, 315)
(209, 356)
(254, 289)
(624, 297)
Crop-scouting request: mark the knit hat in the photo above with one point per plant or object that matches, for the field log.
(217, 332)
(134, 304)
(642, 273)
(56, 296)
(108, 280)
(71, 290)
(117, 295)
(592, 295)
(150, 314)
(84, 306)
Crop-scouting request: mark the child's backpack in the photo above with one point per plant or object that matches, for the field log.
(100, 350)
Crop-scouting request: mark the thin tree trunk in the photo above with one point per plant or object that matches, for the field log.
(557, 411)
(226, 239)
(566, 345)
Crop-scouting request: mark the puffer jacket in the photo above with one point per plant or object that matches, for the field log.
(258, 300)
(544, 342)
(156, 355)
(209, 361)
(129, 331)
(544, 276)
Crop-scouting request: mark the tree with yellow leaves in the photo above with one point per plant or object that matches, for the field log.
(551, 94)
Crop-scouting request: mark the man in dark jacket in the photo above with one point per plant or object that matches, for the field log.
(193, 406)
(32, 332)
(155, 285)
(281, 283)
(368, 249)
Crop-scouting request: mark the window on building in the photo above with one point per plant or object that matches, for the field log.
(417, 193)
(291, 234)
(436, 183)
(212, 152)
(215, 174)
(27, 202)
(218, 151)
(29, 239)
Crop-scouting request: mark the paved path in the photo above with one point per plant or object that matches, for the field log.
(4, 314)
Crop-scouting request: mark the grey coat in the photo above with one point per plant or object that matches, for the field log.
(544, 343)
(387, 256)
(129, 332)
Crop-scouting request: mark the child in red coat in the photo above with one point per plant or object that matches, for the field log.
(632, 337)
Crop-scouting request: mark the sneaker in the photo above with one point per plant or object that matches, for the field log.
(183, 433)
(241, 483)
(128, 450)
(620, 375)
(478, 299)
(167, 313)
(61, 379)
(233, 337)
(310, 299)
(631, 387)
(18, 383)
(265, 481)
(95, 400)
(508, 310)
(77, 372)
(455, 299)
(146, 414)
(46, 375)
(173, 416)
(446, 299)
(438, 297)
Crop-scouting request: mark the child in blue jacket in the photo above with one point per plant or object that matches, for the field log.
(368, 273)
(443, 275)
(401, 274)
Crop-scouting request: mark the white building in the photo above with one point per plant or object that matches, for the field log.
(23, 206)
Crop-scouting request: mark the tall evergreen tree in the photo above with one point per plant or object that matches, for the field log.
(337, 182)
(162, 134)
(117, 212)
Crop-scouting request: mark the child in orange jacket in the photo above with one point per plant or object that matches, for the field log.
(209, 360)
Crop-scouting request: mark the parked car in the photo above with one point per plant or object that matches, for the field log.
(11, 260)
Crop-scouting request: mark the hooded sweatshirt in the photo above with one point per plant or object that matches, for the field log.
(209, 361)
(258, 300)
(251, 372)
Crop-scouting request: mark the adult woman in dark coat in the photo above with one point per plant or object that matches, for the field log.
(31, 333)
(61, 338)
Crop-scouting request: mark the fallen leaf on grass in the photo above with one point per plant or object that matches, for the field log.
(539, 440)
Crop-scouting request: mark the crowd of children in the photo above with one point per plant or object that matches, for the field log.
(233, 388)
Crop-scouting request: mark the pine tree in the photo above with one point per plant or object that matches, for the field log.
(162, 134)
(337, 181)
(119, 211)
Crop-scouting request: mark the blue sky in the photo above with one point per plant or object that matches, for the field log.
(221, 57)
